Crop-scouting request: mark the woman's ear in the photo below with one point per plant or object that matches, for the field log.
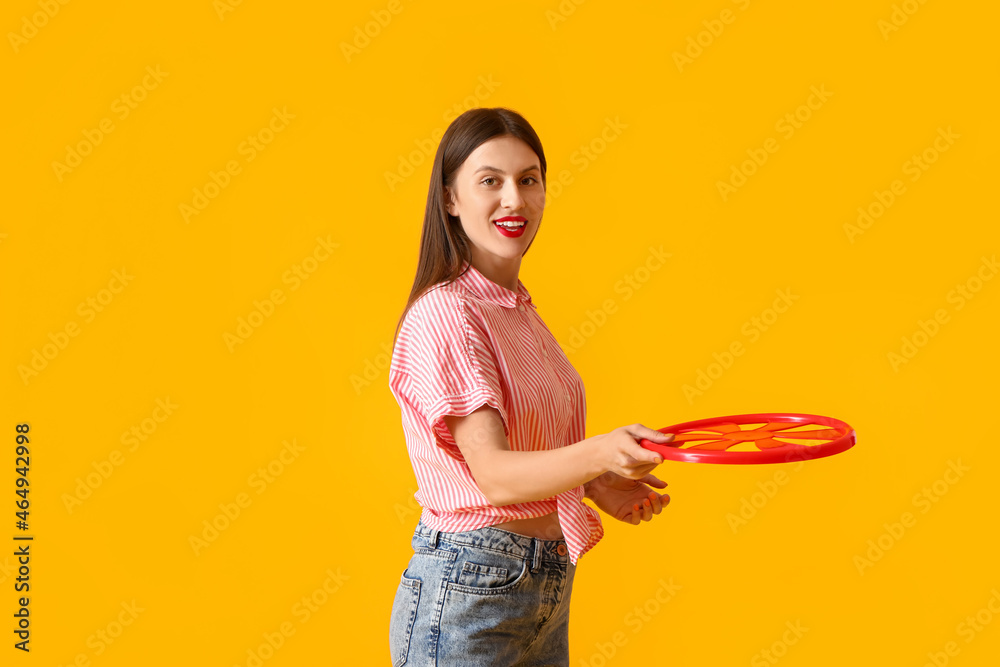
(449, 202)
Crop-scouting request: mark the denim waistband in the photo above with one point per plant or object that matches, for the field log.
(499, 539)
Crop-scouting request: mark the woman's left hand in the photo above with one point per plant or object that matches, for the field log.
(628, 500)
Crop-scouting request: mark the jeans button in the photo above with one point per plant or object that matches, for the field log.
(561, 549)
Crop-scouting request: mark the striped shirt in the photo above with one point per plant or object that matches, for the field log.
(474, 342)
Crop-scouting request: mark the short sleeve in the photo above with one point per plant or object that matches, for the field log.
(444, 363)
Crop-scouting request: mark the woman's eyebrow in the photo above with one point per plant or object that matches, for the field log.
(501, 171)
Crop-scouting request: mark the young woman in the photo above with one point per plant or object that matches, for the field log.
(493, 415)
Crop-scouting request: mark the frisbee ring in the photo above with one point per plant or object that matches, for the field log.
(767, 437)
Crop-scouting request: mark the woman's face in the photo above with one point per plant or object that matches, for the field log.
(502, 178)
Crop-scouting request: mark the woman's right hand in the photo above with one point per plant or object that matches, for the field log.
(620, 452)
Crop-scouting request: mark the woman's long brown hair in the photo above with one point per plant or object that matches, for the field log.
(444, 245)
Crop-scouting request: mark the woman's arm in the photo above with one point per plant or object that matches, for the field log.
(507, 477)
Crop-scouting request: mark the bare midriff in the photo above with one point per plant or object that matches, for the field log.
(543, 527)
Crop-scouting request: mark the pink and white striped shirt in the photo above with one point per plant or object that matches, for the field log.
(473, 342)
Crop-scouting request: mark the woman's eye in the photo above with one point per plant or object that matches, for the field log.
(489, 180)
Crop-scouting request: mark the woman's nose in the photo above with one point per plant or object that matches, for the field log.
(512, 198)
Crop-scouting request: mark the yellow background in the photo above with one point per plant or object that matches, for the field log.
(315, 370)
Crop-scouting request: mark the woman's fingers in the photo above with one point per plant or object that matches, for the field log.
(637, 451)
(653, 436)
(641, 431)
(643, 470)
(643, 456)
(644, 511)
(653, 480)
(633, 460)
(654, 497)
(635, 471)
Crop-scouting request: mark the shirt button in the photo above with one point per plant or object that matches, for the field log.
(568, 399)
(520, 307)
(561, 549)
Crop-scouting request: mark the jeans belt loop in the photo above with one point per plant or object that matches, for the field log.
(433, 538)
(536, 554)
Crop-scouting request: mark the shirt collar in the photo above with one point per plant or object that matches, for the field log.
(487, 290)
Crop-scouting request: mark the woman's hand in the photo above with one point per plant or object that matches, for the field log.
(627, 500)
(619, 450)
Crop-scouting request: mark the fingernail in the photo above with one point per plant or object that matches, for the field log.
(646, 502)
(635, 507)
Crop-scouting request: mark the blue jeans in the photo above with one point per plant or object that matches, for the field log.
(482, 597)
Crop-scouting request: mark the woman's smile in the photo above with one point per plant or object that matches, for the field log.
(511, 226)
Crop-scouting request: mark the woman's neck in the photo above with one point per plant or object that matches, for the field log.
(503, 273)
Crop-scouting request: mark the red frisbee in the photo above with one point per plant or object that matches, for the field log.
(767, 437)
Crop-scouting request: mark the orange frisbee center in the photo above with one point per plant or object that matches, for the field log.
(743, 436)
